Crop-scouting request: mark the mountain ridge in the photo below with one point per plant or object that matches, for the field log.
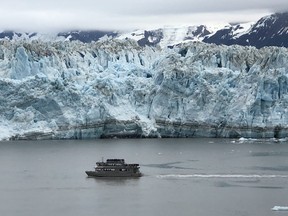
(271, 30)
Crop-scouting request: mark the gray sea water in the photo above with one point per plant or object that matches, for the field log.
(200, 177)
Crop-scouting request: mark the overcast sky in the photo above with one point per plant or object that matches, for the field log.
(55, 15)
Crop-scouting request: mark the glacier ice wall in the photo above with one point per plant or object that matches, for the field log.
(115, 88)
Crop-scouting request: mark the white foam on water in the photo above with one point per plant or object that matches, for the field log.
(220, 176)
(280, 208)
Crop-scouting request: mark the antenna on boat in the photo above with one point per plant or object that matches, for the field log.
(102, 159)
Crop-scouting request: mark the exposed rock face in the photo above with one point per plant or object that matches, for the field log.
(119, 89)
(270, 30)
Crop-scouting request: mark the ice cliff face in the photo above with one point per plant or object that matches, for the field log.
(115, 88)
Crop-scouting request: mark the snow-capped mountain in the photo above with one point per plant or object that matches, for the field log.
(271, 30)
(86, 36)
(169, 36)
(229, 33)
(10, 35)
(116, 88)
(83, 36)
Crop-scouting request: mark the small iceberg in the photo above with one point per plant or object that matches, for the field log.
(280, 208)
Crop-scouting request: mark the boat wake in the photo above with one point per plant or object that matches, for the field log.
(232, 176)
(280, 208)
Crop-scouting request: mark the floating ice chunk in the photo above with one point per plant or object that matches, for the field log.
(280, 208)
(283, 139)
(242, 139)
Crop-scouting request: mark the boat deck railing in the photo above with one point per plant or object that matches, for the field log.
(116, 162)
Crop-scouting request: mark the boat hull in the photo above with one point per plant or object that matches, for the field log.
(112, 174)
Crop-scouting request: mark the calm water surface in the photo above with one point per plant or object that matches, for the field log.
(201, 177)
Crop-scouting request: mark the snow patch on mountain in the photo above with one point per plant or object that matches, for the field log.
(170, 35)
(135, 35)
(242, 29)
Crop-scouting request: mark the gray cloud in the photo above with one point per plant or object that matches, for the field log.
(199, 6)
(115, 14)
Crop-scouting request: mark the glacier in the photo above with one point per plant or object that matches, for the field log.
(116, 88)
